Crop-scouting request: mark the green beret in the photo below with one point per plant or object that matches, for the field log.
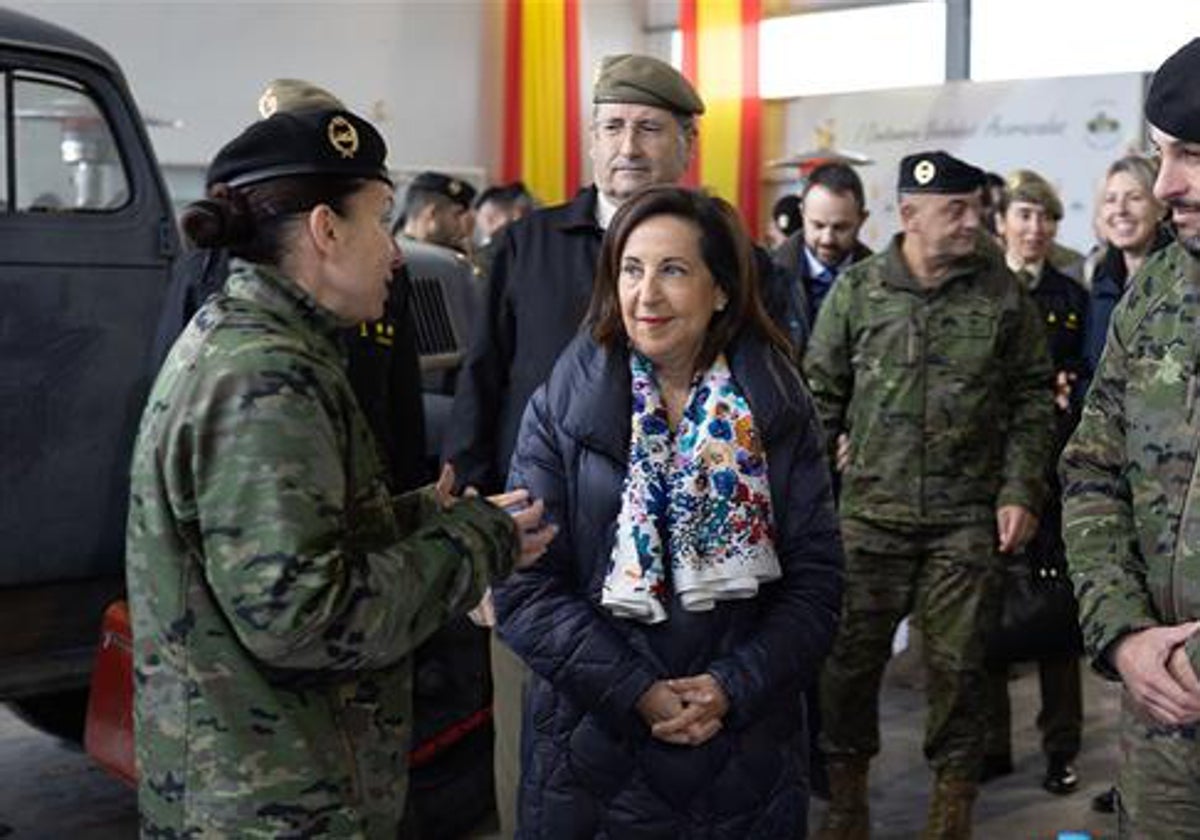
(1173, 101)
(455, 189)
(938, 172)
(1027, 185)
(642, 80)
(286, 145)
(295, 95)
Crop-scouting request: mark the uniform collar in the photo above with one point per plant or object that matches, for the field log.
(580, 212)
(270, 289)
(900, 276)
(1030, 272)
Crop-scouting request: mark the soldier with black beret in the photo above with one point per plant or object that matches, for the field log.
(437, 210)
(929, 369)
(277, 588)
(383, 365)
(1131, 518)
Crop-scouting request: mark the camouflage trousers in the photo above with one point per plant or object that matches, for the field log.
(1159, 782)
(949, 580)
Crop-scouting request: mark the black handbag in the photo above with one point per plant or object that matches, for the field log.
(1039, 617)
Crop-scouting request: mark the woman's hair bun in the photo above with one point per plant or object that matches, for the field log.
(221, 220)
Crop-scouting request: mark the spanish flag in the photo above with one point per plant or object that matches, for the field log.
(541, 93)
(720, 57)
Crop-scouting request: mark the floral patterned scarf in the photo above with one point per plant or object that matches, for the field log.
(696, 506)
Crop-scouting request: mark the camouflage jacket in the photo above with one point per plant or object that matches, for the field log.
(277, 591)
(945, 393)
(1131, 492)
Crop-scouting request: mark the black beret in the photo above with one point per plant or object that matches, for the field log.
(1173, 101)
(455, 189)
(938, 172)
(643, 80)
(286, 144)
(786, 214)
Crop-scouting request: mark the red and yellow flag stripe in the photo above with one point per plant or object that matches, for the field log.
(720, 57)
(541, 93)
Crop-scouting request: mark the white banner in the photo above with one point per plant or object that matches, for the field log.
(1069, 130)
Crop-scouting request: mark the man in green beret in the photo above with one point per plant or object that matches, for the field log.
(643, 132)
(928, 366)
(1131, 514)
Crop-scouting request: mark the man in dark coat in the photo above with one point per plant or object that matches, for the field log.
(833, 210)
(643, 132)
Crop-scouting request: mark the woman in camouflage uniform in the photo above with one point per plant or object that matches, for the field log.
(277, 589)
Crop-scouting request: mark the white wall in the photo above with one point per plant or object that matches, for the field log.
(1069, 130)
(429, 73)
(418, 69)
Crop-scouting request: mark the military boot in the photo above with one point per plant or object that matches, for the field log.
(950, 810)
(847, 817)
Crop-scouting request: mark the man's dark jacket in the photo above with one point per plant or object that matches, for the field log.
(792, 262)
(592, 769)
(538, 294)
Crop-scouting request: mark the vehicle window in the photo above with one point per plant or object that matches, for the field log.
(66, 157)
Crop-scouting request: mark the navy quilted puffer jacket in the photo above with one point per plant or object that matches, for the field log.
(591, 768)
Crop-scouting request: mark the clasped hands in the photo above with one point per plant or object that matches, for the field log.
(687, 711)
(1155, 669)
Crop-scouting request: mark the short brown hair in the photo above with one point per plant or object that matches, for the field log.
(727, 253)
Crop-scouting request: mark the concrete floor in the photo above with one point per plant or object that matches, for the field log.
(49, 790)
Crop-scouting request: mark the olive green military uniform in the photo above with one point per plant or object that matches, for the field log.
(945, 394)
(277, 590)
(1132, 517)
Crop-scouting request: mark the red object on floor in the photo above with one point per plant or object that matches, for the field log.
(108, 736)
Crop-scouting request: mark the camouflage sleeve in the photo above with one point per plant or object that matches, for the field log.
(1029, 447)
(1107, 569)
(413, 507)
(271, 497)
(827, 364)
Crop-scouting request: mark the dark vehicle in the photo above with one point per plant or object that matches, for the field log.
(87, 243)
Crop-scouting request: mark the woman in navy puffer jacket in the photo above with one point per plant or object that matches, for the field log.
(695, 583)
